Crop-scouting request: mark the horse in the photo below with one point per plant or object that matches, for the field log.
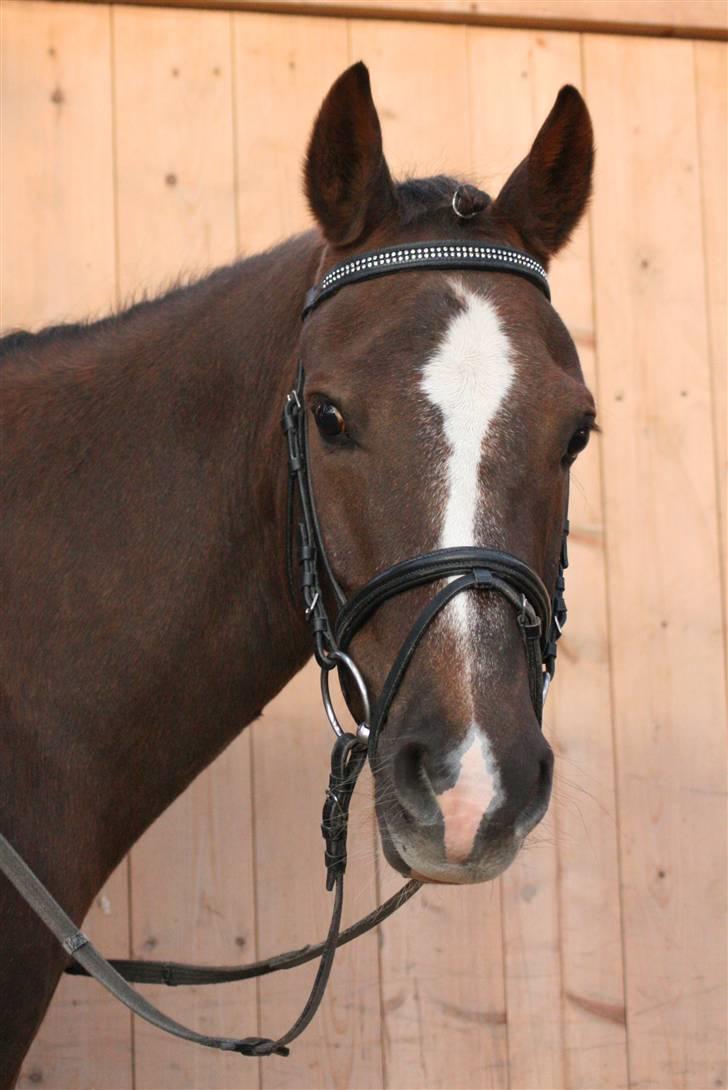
(148, 616)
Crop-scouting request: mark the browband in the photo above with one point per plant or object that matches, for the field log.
(449, 254)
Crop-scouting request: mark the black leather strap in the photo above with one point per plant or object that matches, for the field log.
(440, 564)
(331, 638)
(440, 254)
(479, 579)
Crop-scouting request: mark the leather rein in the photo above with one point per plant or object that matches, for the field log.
(540, 620)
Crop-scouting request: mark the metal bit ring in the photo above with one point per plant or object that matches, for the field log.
(341, 659)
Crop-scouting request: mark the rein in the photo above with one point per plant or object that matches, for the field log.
(540, 619)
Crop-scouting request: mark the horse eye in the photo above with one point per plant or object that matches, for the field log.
(329, 420)
(577, 443)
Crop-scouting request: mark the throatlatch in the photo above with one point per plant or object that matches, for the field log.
(540, 620)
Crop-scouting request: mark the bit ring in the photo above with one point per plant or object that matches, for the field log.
(341, 659)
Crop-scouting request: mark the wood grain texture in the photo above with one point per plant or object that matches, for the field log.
(659, 475)
(57, 262)
(192, 873)
(284, 67)
(711, 88)
(174, 145)
(57, 254)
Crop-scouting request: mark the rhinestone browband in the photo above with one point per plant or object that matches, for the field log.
(427, 255)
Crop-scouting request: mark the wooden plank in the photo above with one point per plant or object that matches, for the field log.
(711, 75)
(442, 957)
(281, 81)
(175, 174)
(584, 807)
(57, 257)
(659, 479)
(501, 64)
(425, 130)
(192, 896)
(457, 983)
(565, 898)
(341, 1047)
(665, 18)
(85, 1042)
(57, 261)
(284, 67)
(561, 900)
(193, 900)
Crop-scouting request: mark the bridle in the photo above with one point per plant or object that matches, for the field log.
(540, 619)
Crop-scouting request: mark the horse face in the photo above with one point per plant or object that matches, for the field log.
(444, 410)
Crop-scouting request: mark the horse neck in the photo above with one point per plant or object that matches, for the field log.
(243, 637)
(182, 628)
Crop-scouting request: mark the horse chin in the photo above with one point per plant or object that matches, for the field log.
(420, 865)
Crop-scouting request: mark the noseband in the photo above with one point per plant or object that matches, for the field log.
(540, 621)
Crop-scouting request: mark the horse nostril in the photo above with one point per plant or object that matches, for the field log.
(412, 783)
(539, 801)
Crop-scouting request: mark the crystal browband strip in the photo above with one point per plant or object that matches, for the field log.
(427, 255)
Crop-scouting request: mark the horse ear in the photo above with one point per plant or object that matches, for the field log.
(348, 184)
(546, 195)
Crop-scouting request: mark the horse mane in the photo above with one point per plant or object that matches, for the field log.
(418, 198)
(174, 292)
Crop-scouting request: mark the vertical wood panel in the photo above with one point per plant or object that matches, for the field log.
(501, 71)
(342, 1046)
(192, 873)
(57, 262)
(284, 67)
(85, 1042)
(580, 717)
(662, 547)
(425, 131)
(442, 973)
(57, 254)
(711, 76)
(174, 145)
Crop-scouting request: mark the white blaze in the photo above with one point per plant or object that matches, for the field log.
(468, 379)
(476, 789)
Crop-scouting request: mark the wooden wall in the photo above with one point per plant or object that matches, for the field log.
(681, 18)
(138, 143)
